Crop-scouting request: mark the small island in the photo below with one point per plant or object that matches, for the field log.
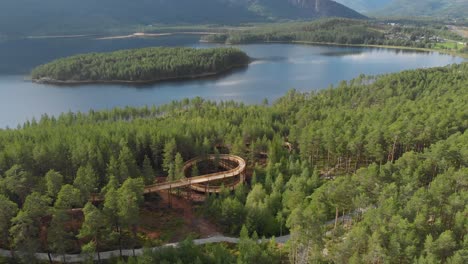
(144, 65)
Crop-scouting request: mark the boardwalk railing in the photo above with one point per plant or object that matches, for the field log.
(238, 171)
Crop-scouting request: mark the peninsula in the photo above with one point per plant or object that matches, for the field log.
(140, 65)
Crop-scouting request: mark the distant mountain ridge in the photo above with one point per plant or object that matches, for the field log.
(33, 17)
(305, 8)
(365, 6)
(437, 8)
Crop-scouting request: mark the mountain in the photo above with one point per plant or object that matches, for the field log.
(62, 16)
(19, 17)
(364, 6)
(435, 8)
(302, 9)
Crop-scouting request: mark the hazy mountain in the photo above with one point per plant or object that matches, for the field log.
(365, 5)
(448, 8)
(300, 9)
(34, 16)
(438, 8)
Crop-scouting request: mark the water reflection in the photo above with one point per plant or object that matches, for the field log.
(271, 58)
(342, 53)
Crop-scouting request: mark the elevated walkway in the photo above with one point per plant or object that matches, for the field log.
(194, 182)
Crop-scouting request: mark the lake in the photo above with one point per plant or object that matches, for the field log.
(277, 69)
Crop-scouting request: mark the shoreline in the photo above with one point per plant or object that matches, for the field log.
(155, 35)
(49, 81)
(201, 33)
(98, 36)
(457, 54)
(58, 36)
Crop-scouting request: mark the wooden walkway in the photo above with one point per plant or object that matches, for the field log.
(193, 182)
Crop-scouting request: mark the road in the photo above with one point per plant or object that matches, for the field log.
(78, 258)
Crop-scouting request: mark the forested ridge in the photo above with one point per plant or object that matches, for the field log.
(51, 17)
(141, 65)
(388, 152)
(343, 31)
(405, 33)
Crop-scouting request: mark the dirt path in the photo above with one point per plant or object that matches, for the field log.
(196, 223)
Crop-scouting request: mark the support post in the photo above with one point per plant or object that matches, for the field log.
(170, 196)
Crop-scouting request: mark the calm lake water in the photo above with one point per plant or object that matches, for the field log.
(278, 68)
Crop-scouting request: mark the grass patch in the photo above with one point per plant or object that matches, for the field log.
(449, 45)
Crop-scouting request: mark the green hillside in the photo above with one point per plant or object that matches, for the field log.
(300, 9)
(20, 17)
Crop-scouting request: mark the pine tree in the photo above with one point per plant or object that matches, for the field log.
(54, 182)
(127, 164)
(59, 239)
(95, 227)
(25, 227)
(86, 181)
(130, 196)
(179, 167)
(170, 149)
(147, 171)
(195, 170)
(9, 209)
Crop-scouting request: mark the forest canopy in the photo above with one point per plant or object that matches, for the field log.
(377, 173)
(141, 65)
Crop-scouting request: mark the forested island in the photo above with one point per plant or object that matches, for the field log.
(387, 154)
(140, 65)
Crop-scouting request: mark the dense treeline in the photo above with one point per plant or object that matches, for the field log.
(141, 65)
(410, 211)
(341, 31)
(395, 144)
